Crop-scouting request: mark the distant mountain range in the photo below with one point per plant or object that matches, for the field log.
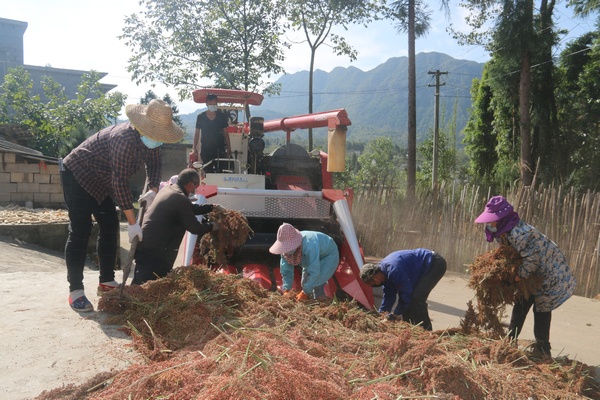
(376, 100)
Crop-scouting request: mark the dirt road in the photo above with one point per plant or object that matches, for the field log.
(46, 345)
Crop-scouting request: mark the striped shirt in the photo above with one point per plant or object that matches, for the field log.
(105, 161)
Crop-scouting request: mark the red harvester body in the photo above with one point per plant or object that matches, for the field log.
(288, 185)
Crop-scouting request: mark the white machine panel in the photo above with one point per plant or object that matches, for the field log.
(238, 181)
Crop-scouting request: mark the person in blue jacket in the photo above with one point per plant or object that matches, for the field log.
(315, 252)
(407, 276)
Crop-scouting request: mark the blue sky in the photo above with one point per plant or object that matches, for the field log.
(82, 34)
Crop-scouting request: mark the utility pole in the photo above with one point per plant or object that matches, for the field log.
(436, 129)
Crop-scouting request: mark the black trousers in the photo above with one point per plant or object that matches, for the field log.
(417, 312)
(81, 207)
(541, 322)
(151, 264)
(212, 154)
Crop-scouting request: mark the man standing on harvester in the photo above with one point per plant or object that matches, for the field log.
(210, 136)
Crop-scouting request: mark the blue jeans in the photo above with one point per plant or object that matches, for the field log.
(81, 207)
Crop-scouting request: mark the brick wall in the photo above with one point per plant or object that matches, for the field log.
(24, 180)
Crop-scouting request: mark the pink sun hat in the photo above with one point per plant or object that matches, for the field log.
(495, 209)
(288, 239)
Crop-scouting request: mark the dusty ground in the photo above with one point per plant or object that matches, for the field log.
(46, 344)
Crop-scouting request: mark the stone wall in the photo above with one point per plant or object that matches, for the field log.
(25, 180)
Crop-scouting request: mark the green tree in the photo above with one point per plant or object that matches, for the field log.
(518, 36)
(578, 101)
(583, 8)
(445, 155)
(379, 165)
(150, 95)
(347, 179)
(479, 135)
(448, 168)
(58, 124)
(235, 43)
(317, 20)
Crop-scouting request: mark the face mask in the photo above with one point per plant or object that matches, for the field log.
(212, 108)
(295, 258)
(151, 144)
(491, 228)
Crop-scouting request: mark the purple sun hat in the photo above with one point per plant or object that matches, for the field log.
(495, 209)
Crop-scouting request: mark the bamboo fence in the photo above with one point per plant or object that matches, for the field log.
(444, 222)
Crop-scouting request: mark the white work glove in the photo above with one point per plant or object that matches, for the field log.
(133, 231)
(215, 226)
(148, 197)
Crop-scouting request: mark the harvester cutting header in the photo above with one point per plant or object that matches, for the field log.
(288, 185)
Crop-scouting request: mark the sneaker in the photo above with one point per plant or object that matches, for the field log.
(79, 302)
(107, 287)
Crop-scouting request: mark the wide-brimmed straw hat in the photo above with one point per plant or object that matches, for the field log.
(495, 209)
(155, 120)
(288, 239)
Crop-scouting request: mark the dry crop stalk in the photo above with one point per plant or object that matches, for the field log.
(217, 247)
(493, 279)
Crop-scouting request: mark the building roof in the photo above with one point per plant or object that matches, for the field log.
(25, 152)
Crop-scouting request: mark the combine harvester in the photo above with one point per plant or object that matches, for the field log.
(288, 185)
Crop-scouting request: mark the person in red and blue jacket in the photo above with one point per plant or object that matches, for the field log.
(407, 276)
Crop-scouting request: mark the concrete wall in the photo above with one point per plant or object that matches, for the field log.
(175, 158)
(23, 180)
(11, 44)
(11, 55)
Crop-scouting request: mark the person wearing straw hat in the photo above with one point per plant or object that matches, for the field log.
(95, 177)
(407, 277)
(315, 252)
(541, 256)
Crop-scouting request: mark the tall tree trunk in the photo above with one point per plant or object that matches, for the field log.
(546, 146)
(411, 174)
(525, 119)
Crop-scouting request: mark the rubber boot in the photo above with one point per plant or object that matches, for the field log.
(544, 347)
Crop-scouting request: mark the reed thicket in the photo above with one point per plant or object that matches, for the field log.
(444, 222)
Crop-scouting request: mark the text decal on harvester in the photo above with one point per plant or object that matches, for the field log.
(234, 179)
